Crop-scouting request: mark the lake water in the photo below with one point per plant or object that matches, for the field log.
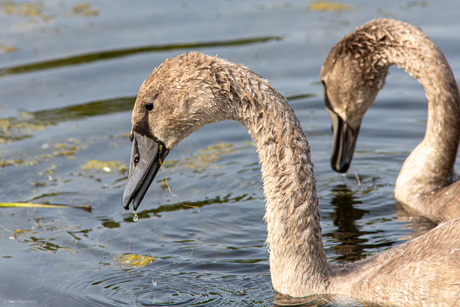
(69, 75)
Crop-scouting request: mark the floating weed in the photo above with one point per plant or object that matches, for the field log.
(15, 129)
(32, 205)
(59, 146)
(36, 9)
(68, 153)
(135, 260)
(29, 205)
(106, 166)
(65, 150)
(196, 163)
(328, 6)
(205, 157)
(11, 162)
(217, 146)
(38, 184)
(84, 9)
(167, 184)
(7, 49)
(31, 9)
(50, 170)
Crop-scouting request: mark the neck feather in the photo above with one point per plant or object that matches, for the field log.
(298, 264)
(431, 164)
(386, 42)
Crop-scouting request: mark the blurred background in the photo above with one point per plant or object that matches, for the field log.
(69, 76)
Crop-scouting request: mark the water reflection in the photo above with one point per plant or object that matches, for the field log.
(22, 127)
(416, 223)
(41, 244)
(186, 205)
(348, 233)
(107, 55)
(320, 300)
(109, 223)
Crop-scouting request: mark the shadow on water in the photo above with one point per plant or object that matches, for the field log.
(112, 54)
(186, 205)
(19, 128)
(84, 110)
(349, 234)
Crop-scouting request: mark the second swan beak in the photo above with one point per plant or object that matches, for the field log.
(344, 144)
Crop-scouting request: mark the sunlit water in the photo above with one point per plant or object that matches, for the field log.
(69, 74)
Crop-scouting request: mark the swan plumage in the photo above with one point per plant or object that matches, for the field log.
(191, 90)
(353, 74)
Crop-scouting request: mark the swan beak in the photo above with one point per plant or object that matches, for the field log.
(344, 144)
(147, 155)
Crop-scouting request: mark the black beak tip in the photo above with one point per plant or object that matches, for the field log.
(342, 168)
(125, 203)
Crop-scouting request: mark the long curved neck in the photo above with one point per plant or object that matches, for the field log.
(298, 263)
(431, 164)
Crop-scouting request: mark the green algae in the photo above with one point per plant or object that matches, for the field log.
(134, 260)
(106, 166)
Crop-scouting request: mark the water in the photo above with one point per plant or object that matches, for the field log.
(69, 74)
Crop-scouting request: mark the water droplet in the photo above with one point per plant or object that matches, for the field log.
(135, 217)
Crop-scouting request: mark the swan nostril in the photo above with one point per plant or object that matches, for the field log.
(136, 159)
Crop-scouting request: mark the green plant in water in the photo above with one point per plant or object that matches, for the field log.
(106, 166)
(134, 260)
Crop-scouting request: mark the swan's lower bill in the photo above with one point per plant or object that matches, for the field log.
(147, 155)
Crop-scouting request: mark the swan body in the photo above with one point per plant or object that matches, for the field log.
(191, 90)
(352, 75)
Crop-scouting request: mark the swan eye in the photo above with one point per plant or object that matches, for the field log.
(149, 106)
(136, 159)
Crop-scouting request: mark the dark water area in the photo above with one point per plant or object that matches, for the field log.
(69, 76)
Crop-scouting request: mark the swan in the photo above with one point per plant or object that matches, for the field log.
(352, 75)
(191, 90)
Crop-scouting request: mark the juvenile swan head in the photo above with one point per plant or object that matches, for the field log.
(179, 97)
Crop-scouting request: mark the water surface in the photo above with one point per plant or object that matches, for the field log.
(69, 75)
